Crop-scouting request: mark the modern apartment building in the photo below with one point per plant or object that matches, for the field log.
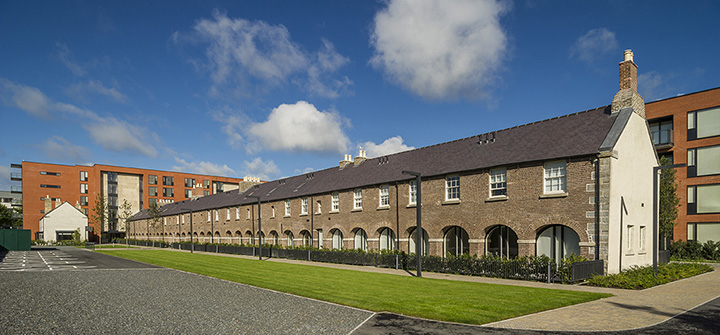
(81, 185)
(686, 129)
(11, 201)
(576, 184)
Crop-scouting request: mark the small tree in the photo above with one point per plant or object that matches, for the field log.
(669, 202)
(125, 212)
(6, 216)
(99, 214)
(154, 213)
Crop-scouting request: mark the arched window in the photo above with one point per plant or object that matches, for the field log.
(360, 239)
(337, 239)
(387, 239)
(557, 242)
(502, 241)
(456, 241)
(274, 237)
(306, 237)
(290, 238)
(262, 237)
(424, 242)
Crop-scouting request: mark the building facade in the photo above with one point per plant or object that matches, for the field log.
(11, 201)
(81, 185)
(62, 223)
(576, 184)
(686, 129)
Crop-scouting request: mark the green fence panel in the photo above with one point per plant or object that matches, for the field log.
(15, 239)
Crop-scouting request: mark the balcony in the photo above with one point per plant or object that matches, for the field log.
(16, 202)
(15, 189)
(662, 139)
(15, 166)
(17, 176)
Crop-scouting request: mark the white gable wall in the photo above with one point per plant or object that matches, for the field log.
(631, 199)
(63, 218)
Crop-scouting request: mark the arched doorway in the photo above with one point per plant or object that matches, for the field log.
(557, 242)
(456, 241)
(424, 242)
(360, 239)
(387, 239)
(501, 241)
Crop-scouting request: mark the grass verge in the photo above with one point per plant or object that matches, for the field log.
(114, 246)
(447, 300)
(638, 278)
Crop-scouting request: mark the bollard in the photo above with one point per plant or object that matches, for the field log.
(549, 276)
(396, 262)
(308, 255)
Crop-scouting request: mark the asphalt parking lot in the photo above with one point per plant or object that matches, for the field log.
(67, 290)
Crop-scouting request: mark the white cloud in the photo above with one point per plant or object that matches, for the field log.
(116, 135)
(595, 44)
(259, 168)
(389, 146)
(65, 56)
(242, 52)
(203, 167)
(58, 148)
(109, 132)
(440, 49)
(654, 85)
(300, 127)
(93, 86)
(28, 99)
(233, 125)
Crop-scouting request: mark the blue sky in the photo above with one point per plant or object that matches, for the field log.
(277, 88)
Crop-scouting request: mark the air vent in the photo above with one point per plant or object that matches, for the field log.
(383, 160)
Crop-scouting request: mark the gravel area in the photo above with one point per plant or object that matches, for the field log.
(158, 301)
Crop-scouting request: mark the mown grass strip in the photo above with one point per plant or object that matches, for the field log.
(447, 300)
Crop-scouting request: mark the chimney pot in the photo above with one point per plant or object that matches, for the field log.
(628, 55)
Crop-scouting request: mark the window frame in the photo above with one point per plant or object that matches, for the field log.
(384, 196)
(562, 179)
(304, 206)
(288, 207)
(357, 199)
(452, 187)
(335, 202)
(493, 181)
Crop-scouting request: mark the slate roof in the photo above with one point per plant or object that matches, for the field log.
(570, 135)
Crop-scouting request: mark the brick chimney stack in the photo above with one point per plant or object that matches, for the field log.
(628, 96)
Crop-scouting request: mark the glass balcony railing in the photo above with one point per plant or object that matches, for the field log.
(662, 138)
(16, 189)
(15, 176)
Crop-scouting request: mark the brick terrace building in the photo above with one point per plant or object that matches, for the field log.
(580, 183)
(686, 129)
(79, 184)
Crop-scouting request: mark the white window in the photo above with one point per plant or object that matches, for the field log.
(498, 186)
(703, 199)
(287, 207)
(303, 205)
(208, 216)
(217, 216)
(642, 238)
(227, 214)
(319, 207)
(273, 211)
(337, 239)
(83, 176)
(320, 238)
(183, 218)
(237, 213)
(335, 202)
(357, 196)
(555, 177)
(413, 193)
(165, 221)
(384, 196)
(703, 161)
(452, 188)
(248, 213)
(704, 123)
(630, 237)
(84, 188)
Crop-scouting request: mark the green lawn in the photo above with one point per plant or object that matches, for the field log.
(113, 246)
(446, 300)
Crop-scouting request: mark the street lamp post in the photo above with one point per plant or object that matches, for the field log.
(192, 246)
(656, 187)
(259, 225)
(418, 230)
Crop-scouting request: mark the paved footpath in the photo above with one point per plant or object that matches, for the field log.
(626, 309)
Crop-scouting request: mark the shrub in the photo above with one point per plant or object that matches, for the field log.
(642, 277)
(692, 250)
